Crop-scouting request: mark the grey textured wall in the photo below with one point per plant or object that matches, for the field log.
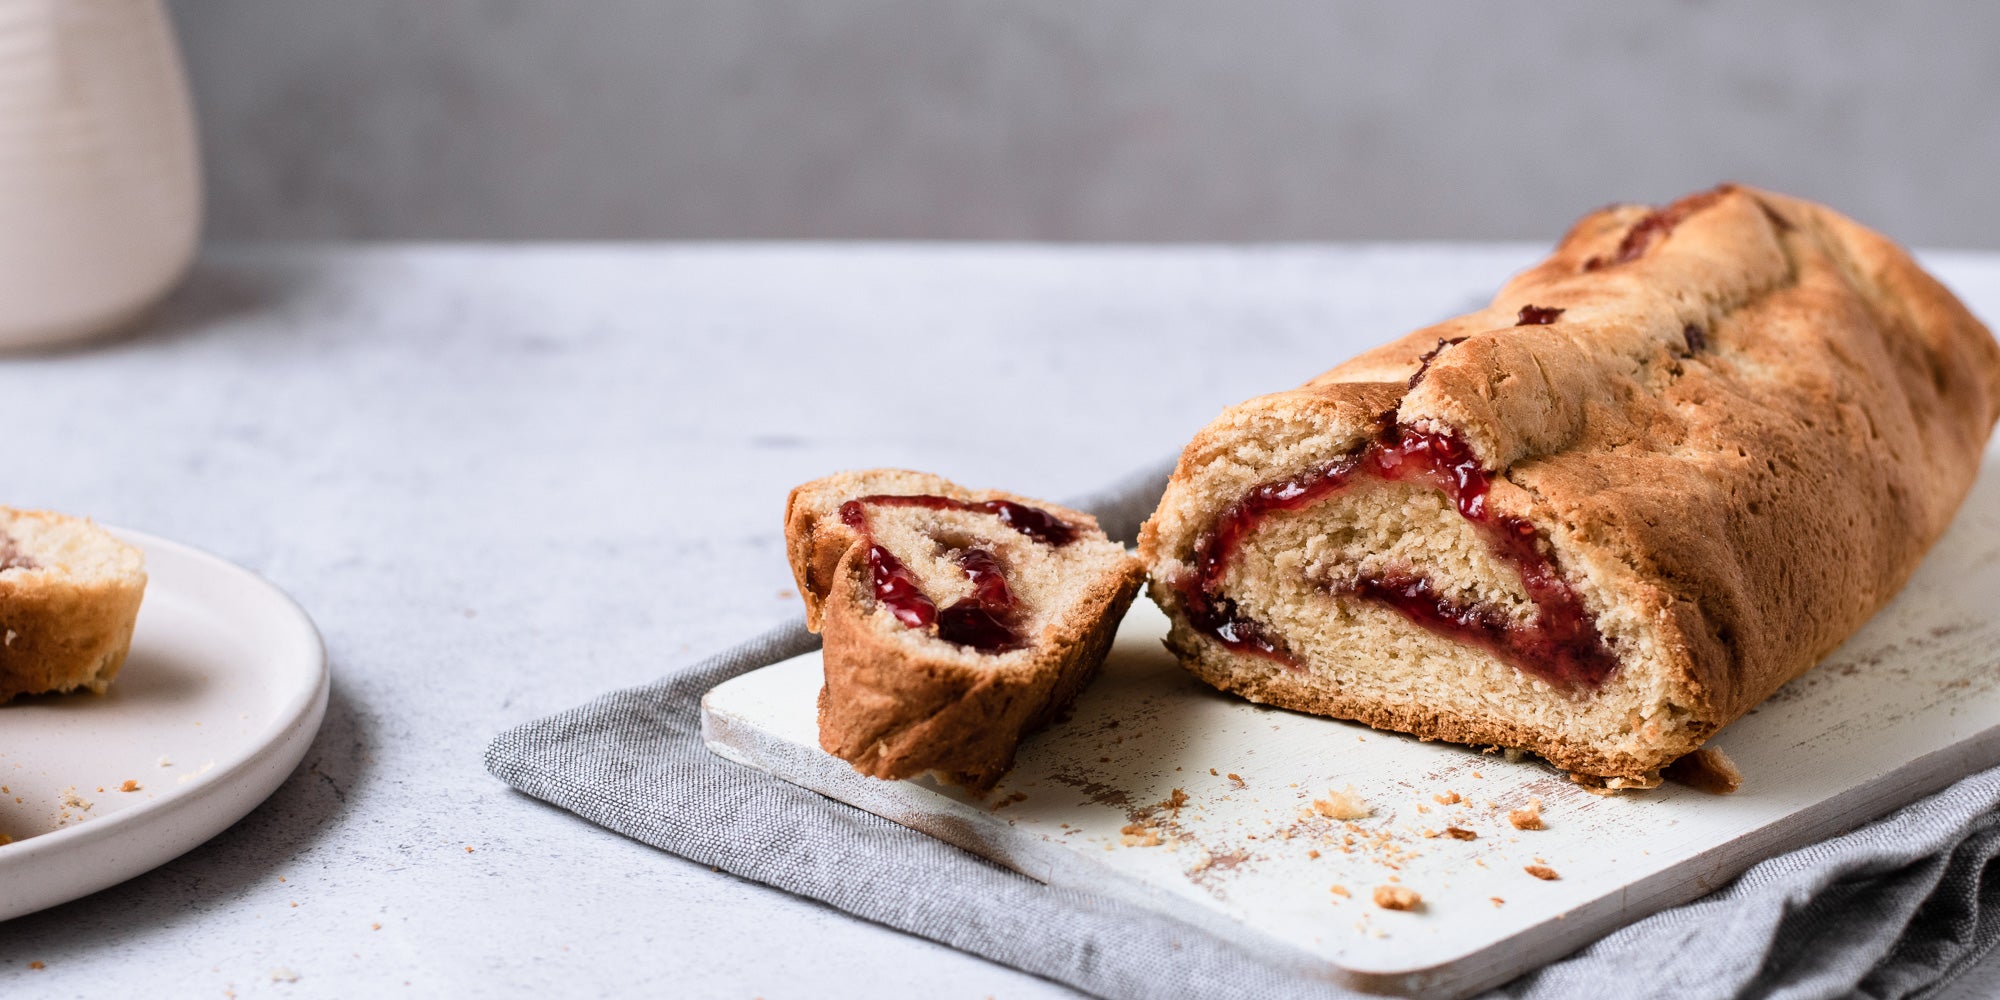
(1063, 119)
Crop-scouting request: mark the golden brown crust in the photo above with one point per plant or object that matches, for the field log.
(1749, 493)
(59, 631)
(897, 708)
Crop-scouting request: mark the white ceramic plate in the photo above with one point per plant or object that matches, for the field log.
(223, 692)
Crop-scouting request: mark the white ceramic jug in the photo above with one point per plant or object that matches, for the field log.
(100, 187)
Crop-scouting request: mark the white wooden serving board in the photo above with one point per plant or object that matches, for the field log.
(1908, 705)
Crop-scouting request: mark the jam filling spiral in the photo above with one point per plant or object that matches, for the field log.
(987, 619)
(1559, 643)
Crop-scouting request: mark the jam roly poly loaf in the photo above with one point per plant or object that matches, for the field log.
(1751, 423)
(1560, 644)
(984, 621)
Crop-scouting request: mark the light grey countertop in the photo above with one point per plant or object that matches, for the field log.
(507, 478)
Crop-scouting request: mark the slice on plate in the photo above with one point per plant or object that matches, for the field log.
(955, 620)
(69, 596)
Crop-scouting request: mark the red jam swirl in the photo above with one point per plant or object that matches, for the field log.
(899, 590)
(1657, 225)
(1559, 644)
(1424, 360)
(1534, 315)
(985, 620)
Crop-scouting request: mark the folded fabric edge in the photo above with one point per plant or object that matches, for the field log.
(1130, 952)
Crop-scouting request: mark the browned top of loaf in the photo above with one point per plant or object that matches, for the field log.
(1782, 480)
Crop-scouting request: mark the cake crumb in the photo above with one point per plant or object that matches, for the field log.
(1449, 798)
(1481, 777)
(1543, 872)
(1139, 835)
(1233, 776)
(284, 975)
(1312, 854)
(164, 762)
(468, 848)
(1340, 890)
(73, 800)
(1529, 818)
(36, 965)
(1706, 770)
(1497, 901)
(1174, 801)
(1397, 897)
(129, 786)
(1211, 770)
(375, 926)
(1343, 804)
(1460, 833)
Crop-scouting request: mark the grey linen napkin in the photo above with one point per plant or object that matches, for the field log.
(1896, 908)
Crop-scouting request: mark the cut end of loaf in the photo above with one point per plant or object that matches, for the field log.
(69, 599)
(1374, 594)
(954, 620)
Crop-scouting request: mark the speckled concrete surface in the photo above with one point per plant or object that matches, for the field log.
(505, 479)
